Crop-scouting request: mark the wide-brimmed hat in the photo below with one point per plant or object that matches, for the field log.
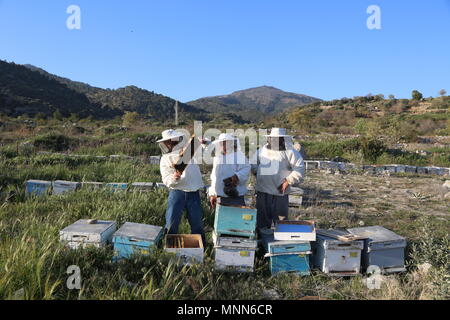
(277, 133)
(225, 137)
(169, 135)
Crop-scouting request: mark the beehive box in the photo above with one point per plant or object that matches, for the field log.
(160, 185)
(382, 248)
(234, 253)
(92, 185)
(410, 169)
(289, 256)
(295, 230)
(135, 238)
(311, 165)
(117, 186)
(336, 257)
(154, 160)
(296, 197)
(235, 221)
(188, 248)
(60, 186)
(37, 187)
(143, 186)
(84, 234)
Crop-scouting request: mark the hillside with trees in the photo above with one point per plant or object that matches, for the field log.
(253, 104)
(26, 92)
(401, 119)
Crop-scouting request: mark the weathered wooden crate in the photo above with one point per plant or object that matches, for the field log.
(143, 186)
(92, 185)
(235, 221)
(135, 238)
(37, 187)
(296, 197)
(335, 257)
(154, 160)
(289, 256)
(382, 248)
(188, 248)
(115, 186)
(295, 230)
(410, 169)
(311, 165)
(83, 233)
(234, 254)
(60, 186)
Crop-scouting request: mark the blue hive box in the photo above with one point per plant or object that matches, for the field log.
(288, 256)
(117, 186)
(37, 187)
(135, 238)
(235, 221)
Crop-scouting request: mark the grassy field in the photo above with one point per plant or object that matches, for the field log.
(33, 263)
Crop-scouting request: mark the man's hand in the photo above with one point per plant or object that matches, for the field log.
(283, 186)
(213, 201)
(235, 180)
(177, 175)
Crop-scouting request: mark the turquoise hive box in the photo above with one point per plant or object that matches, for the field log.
(235, 221)
(37, 187)
(135, 238)
(289, 256)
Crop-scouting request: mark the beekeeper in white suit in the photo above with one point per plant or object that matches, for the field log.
(231, 170)
(184, 187)
(277, 167)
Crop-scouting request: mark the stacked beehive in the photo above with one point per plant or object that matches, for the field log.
(234, 238)
(288, 246)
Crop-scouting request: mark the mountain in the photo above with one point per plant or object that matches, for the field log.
(24, 91)
(253, 104)
(131, 99)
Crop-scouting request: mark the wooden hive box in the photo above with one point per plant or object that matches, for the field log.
(289, 256)
(235, 221)
(143, 186)
(382, 248)
(234, 254)
(295, 231)
(84, 234)
(135, 238)
(37, 187)
(336, 257)
(188, 248)
(60, 186)
(296, 197)
(92, 185)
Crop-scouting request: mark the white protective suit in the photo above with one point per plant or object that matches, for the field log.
(190, 181)
(226, 166)
(272, 167)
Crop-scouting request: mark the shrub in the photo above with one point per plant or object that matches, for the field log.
(54, 142)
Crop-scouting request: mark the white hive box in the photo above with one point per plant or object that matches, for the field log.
(335, 257)
(154, 160)
(295, 231)
(85, 234)
(188, 248)
(92, 185)
(60, 186)
(234, 253)
(382, 248)
(296, 197)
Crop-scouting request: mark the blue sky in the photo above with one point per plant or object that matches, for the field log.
(189, 49)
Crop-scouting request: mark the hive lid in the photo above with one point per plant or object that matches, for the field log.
(84, 227)
(377, 234)
(139, 231)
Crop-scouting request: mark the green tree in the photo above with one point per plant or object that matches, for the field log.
(129, 119)
(442, 92)
(57, 115)
(416, 95)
